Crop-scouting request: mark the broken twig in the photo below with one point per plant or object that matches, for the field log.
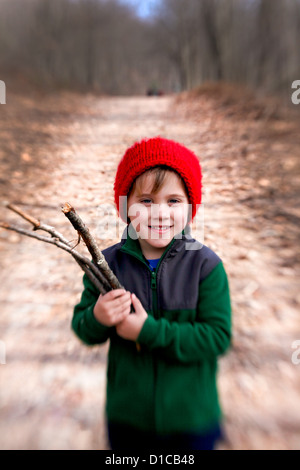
(96, 254)
(97, 270)
(103, 279)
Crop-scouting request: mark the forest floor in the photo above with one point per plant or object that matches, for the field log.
(65, 147)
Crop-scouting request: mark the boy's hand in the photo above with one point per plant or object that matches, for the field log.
(113, 307)
(131, 326)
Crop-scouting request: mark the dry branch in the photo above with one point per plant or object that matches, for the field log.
(97, 256)
(99, 274)
(36, 223)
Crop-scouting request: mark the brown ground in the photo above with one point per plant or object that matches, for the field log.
(64, 147)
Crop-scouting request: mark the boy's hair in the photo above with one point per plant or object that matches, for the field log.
(160, 173)
(150, 153)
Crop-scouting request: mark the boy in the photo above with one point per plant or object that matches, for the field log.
(162, 394)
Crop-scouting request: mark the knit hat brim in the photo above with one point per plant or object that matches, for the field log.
(149, 153)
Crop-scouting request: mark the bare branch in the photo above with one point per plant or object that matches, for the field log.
(91, 277)
(29, 218)
(38, 225)
(97, 270)
(91, 244)
(83, 262)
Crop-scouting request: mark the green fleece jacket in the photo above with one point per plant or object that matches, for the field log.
(169, 386)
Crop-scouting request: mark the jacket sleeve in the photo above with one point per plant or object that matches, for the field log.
(84, 323)
(207, 337)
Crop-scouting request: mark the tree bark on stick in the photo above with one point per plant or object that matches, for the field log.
(97, 255)
(97, 270)
(85, 264)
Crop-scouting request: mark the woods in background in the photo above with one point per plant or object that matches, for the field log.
(104, 46)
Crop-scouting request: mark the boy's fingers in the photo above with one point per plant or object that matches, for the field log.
(124, 306)
(121, 316)
(136, 302)
(115, 293)
(116, 302)
(121, 300)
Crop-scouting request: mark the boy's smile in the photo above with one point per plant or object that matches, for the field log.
(158, 217)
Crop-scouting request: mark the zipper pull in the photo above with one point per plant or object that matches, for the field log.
(153, 280)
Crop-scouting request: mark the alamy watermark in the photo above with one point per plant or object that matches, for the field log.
(296, 353)
(296, 94)
(2, 353)
(2, 92)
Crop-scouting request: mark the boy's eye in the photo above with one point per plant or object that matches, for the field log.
(146, 201)
(149, 201)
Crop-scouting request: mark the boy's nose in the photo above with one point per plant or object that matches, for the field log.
(160, 212)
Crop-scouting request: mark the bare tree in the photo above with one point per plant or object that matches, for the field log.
(103, 45)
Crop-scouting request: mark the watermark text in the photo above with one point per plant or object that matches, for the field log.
(2, 352)
(2, 92)
(296, 353)
(296, 94)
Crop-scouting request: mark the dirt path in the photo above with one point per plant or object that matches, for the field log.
(66, 148)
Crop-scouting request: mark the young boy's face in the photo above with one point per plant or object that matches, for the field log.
(158, 217)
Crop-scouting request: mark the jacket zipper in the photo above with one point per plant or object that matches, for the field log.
(154, 293)
(153, 287)
(153, 282)
(155, 315)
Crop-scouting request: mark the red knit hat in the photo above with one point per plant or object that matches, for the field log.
(153, 152)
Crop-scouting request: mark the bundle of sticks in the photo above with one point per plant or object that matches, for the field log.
(96, 269)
